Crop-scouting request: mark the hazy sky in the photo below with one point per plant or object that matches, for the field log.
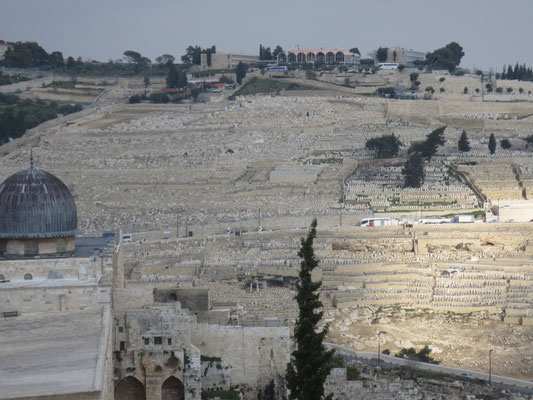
(492, 32)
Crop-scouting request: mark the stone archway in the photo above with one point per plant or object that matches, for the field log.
(172, 389)
(130, 389)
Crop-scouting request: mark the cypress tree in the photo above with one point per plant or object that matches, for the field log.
(492, 143)
(463, 144)
(414, 170)
(172, 77)
(310, 364)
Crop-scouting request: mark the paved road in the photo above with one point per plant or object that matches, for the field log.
(511, 382)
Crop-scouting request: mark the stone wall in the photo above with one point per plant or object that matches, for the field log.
(250, 351)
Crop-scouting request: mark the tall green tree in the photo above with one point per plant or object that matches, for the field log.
(381, 54)
(492, 143)
(463, 144)
(413, 170)
(240, 71)
(278, 49)
(310, 364)
(428, 148)
(172, 77)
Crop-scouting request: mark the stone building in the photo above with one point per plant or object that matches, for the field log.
(72, 327)
(227, 60)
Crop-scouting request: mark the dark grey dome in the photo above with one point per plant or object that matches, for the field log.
(36, 204)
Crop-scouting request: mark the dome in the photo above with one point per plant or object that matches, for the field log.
(36, 204)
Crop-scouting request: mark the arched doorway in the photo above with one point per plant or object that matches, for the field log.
(130, 389)
(172, 389)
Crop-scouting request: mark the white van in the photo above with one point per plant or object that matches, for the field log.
(127, 238)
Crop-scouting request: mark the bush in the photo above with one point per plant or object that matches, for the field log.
(134, 99)
(159, 98)
(442, 90)
(352, 373)
(442, 79)
(499, 90)
(505, 143)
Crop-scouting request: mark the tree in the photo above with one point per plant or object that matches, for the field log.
(413, 170)
(529, 140)
(505, 143)
(278, 49)
(146, 82)
(56, 59)
(463, 144)
(448, 57)
(401, 67)
(172, 77)
(381, 54)
(311, 362)
(422, 355)
(492, 143)
(386, 146)
(193, 54)
(465, 90)
(182, 80)
(413, 76)
(355, 50)
(428, 148)
(165, 59)
(240, 71)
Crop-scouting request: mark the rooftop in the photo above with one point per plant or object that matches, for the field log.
(52, 354)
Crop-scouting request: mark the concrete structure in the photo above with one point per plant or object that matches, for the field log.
(323, 56)
(403, 56)
(227, 60)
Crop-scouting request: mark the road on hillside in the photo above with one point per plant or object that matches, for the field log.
(510, 382)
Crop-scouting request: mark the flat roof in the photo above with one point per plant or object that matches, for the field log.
(49, 354)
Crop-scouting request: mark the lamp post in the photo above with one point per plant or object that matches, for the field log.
(490, 367)
(379, 350)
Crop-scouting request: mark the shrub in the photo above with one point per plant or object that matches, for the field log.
(442, 90)
(159, 98)
(505, 143)
(442, 79)
(134, 99)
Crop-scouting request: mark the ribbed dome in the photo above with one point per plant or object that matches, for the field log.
(36, 204)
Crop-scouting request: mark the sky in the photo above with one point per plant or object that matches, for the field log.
(492, 33)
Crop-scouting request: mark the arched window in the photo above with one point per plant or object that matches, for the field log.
(172, 389)
(130, 389)
(282, 58)
(320, 58)
(301, 58)
(28, 277)
(339, 57)
(292, 57)
(330, 57)
(310, 57)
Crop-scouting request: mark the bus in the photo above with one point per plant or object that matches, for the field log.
(378, 222)
(388, 65)
(278, 68)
